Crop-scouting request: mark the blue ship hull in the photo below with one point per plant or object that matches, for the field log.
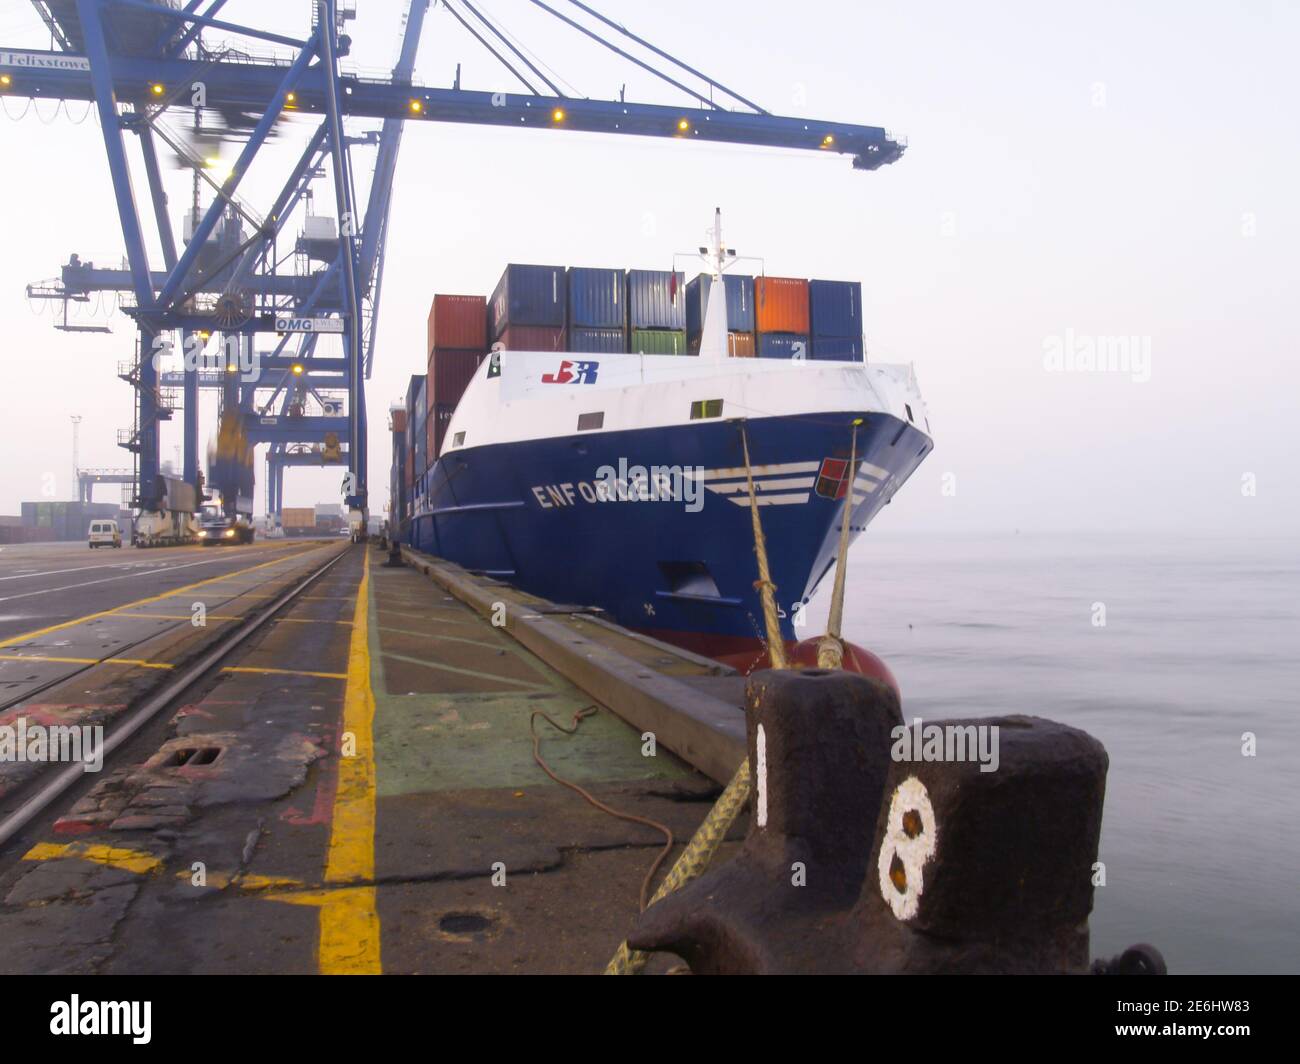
(530, 513)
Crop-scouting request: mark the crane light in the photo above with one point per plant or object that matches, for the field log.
(297, 369)
(827, 141)
(558, 114)
(157, 89)
(417, 107)
(683, 125)
(6, 80)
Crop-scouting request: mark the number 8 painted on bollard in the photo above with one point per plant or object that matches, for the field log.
(911, 838)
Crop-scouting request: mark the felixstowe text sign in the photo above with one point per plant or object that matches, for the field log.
(45, 60)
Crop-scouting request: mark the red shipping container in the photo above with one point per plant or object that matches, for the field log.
(439, 419)
(781, 304)
(533, 338)
(398, 418)
(457, 322)
(450, 372)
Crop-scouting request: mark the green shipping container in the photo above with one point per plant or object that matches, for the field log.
(658, 342)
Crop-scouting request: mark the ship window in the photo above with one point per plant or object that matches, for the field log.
(587, 422)
(703, 408)
(458, 439)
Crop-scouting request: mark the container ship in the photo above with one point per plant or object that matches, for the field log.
(582, 434)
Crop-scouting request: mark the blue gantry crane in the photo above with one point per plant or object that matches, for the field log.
(229, 280)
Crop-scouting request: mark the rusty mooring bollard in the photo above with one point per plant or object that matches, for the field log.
(863, 858)
(819, 757)
(394, 554)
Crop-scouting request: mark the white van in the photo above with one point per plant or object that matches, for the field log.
(105, 534)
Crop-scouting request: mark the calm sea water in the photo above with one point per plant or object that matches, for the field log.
(1201, 644)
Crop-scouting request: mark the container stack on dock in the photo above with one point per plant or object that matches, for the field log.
(597, 311)
(781, 314)
(656, 308)
(457, 342)
(527, 309)
(62, 521)
(835, 312)
(739, 288)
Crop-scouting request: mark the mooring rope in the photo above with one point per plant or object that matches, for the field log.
(695, 859)
(763, 585)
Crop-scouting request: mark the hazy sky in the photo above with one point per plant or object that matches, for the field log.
(1074, 171)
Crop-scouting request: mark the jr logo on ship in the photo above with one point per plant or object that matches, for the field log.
(573, 373)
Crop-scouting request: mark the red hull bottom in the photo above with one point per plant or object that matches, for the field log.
(748, 656)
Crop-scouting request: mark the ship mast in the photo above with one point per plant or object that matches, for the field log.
(713, 343)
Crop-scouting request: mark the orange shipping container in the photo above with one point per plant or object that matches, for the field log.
(740, 344)
(781, 304)
(457, 322)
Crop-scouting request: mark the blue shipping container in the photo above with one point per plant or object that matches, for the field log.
(415, 400)
(782, 345)
(837, 348)
(835, 308)
(527, 295)
(654, 302)
(740, 302)
(596, 299)
(597, 341)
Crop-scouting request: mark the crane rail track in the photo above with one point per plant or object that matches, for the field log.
(44, 792)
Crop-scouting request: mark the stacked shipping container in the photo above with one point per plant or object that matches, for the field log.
(457, 338)
(608, 311)
(739, 289)
(63, 521)
(527, 308)
(414, 430)
(597, 321)
(398, 485)
(781, 315)
(835, 312)
(656, 312)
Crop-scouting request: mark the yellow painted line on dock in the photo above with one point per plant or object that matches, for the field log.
(220, 617)
(245, 881)
(287, 672)
(349, 917)
(38, 633)
(138, 861)
(141, 663)
(87, 661)
(170, 617)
